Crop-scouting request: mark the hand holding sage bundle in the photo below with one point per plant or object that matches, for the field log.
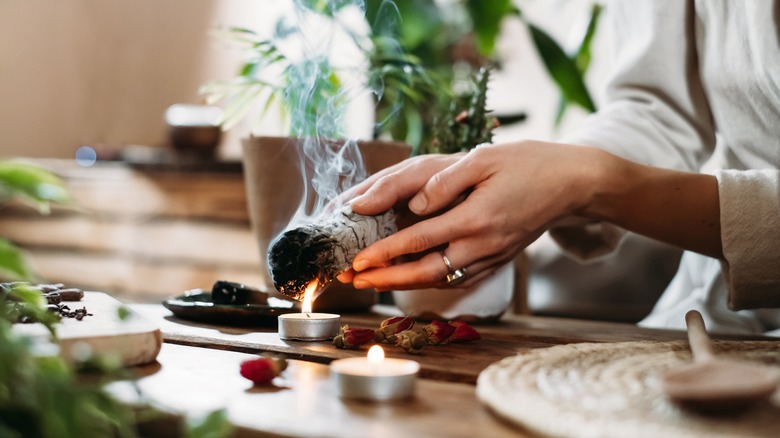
(324, 249)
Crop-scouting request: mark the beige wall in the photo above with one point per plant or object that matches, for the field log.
(102, 72)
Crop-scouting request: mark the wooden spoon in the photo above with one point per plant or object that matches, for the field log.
(712, 383)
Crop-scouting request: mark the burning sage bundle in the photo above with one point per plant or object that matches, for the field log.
(323, 249)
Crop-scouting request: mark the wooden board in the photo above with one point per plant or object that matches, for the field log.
(453, 362)
(133, 340)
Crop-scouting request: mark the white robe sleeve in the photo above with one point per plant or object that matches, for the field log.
(655, 112)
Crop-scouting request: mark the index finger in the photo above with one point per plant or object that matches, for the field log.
(400, 182)
(422, 236)
(446, 186)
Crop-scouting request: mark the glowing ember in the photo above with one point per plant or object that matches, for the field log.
(308, 295)
(376, 355)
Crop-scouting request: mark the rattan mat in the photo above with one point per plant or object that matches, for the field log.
(613, 390)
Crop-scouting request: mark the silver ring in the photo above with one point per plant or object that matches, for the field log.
(447, 262)
(455, 276)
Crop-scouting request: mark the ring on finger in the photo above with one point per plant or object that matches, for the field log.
(455, 276)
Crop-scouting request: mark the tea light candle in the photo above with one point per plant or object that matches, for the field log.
(374, 377)
(308, 326)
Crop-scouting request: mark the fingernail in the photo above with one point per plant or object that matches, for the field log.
(361, 284)
(358, 200)
(418, 203)
(361, 265)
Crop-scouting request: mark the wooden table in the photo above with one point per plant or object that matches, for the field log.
(302, 402)
(199, 372)
(453, 362)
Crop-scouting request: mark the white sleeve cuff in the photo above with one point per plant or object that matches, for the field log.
(750, 233)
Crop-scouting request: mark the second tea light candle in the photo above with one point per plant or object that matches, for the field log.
(374, 377)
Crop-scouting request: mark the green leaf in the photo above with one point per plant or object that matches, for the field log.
(239, 106)
(123, 313)
(486, 17)
(214, 425)
(560, 112)
(32, 183)
(414, 126)
(409, 22)
(13, 265)
(582, 58)
(562, 69)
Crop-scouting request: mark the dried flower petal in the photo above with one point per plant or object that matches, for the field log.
(463, 332)
(263, 369)
(438, 332)
(392, 326)
(412, 341)
(353, 337)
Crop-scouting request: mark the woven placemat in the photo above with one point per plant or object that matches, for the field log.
(614, 390)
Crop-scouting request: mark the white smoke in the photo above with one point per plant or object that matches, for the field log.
(327, 72)
(326, 59)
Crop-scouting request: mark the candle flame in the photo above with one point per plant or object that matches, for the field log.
(308, 295)
(376, 355)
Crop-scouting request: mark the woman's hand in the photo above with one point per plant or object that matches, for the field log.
(395, 184)
(513, 193)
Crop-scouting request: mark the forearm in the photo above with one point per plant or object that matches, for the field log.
(675, 207)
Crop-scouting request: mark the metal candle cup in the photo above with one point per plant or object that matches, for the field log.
(308, 326)
(377, 380)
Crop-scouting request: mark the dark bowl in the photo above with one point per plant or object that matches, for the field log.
(200, 141)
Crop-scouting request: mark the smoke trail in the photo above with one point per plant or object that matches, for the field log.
(328, 45)
(325, 53)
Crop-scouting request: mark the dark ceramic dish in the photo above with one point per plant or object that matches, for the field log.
(196, 305)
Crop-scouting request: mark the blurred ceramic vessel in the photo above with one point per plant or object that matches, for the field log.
(483, 302)
(194, 130)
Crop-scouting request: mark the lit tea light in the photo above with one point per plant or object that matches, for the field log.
(374, 377)
(308, 326)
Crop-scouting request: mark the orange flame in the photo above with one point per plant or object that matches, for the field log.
(308, 295)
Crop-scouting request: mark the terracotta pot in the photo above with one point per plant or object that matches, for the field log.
(275, 188)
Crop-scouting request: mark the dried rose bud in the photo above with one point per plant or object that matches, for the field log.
(438, 332)
(463, 332)
(462, 117)
(353, 337)
(412, 341)
(263, 369)
(392, 326)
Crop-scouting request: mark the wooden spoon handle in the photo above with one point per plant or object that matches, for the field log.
(697, 337)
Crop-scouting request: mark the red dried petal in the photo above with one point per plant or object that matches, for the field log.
(391, 327)
(261, 370)
(354, 337)
(463, 332)
(397, 324)
(438, 332)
